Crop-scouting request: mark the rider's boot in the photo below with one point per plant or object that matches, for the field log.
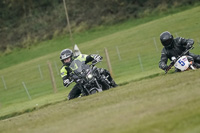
(113, 84)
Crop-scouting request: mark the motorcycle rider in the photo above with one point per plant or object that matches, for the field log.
(175, 47)
(66, 57)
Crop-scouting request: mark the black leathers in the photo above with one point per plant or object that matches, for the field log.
(178, 47)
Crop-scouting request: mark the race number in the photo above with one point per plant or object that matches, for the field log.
(181, 62)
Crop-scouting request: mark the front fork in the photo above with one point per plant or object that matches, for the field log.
(99, 87)
(83, 89)
(88, 92)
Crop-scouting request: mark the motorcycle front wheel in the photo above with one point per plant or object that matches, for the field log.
(93, 91)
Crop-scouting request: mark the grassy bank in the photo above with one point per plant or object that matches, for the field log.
(164, 104)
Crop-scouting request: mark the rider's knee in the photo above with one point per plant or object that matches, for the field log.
(198, 58)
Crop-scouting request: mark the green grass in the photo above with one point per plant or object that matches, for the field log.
(148, 101)
(163, 104)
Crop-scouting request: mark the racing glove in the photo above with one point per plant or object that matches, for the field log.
(163, 66)
(66, 82)
(97, 58)
(189, 44)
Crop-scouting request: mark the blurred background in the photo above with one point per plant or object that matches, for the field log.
(26, 22)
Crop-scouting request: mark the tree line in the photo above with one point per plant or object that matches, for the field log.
(25, 22)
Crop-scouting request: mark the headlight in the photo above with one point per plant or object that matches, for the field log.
(89, 76)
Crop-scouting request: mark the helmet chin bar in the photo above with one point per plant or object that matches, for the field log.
(170, 45)
(67, 63)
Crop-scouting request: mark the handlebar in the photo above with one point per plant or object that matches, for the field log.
(69, 83)
(94, 62)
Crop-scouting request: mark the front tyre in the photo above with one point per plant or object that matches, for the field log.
(93, 91)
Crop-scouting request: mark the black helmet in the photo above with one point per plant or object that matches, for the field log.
(166, 39)
(66, 53)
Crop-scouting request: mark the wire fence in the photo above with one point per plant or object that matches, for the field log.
(35, 80)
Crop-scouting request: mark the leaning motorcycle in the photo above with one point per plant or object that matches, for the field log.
(182, 62)
(89, 78)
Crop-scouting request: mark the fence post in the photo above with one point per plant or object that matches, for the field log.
(4, 83)
(108, 62)
(154, 39)
(26, 91)
(52, 77)
(118, 53)
(141, 66)
(41, 76)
